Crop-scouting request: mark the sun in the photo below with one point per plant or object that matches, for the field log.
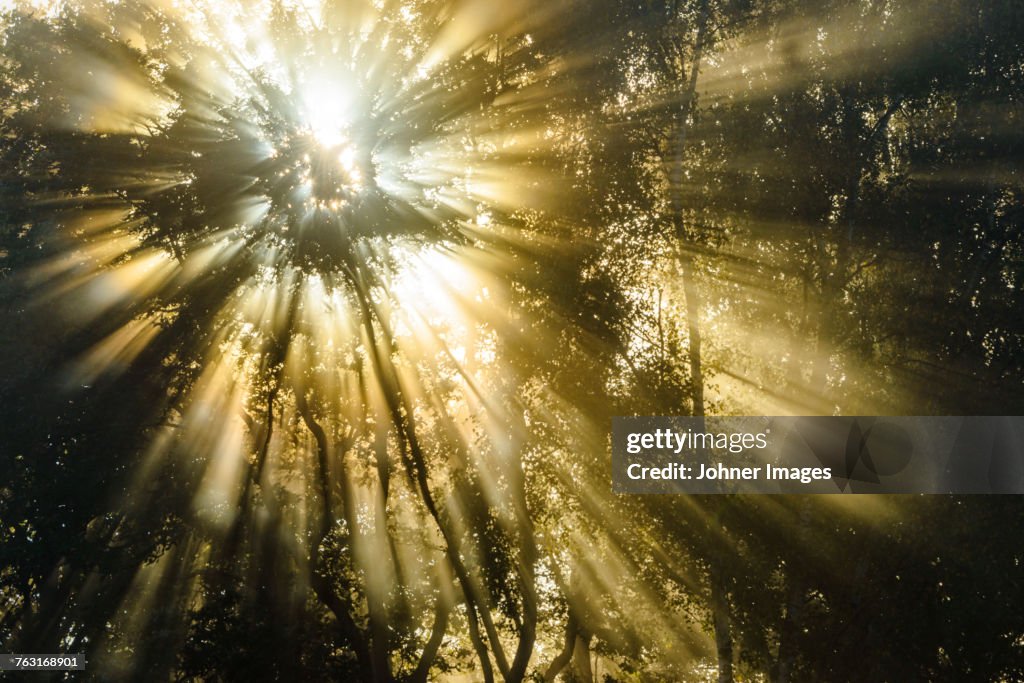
(328, 107)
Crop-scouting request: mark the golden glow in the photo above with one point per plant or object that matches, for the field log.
(337, 213)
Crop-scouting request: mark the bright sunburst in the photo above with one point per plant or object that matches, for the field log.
(301, 217)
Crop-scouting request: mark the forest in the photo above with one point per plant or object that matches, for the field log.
(315, 315)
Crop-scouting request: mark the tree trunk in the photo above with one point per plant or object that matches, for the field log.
(796, 599)
(430, 649)
(793, 617)
(719, 595)
(721, 620)
(563, 658)
(414, 460)
(581, 658)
